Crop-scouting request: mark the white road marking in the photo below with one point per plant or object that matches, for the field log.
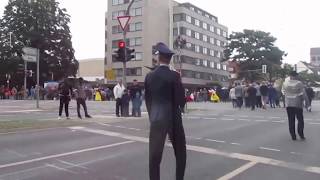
(246, 157)
(257, 116)
(224, 119)
(23, 111)
(244, 120)
(314, 123)
(269, 149)
(238, 171)
(274, 117)
(296, 153)
(16, 153)
(243, 116)
(237, 144)
(217, 141)
(63, 154)
(278, 121)
(72, 164)
(104, 124)
(135, 129)
(261, 120)
(210, 118)
(61, 169)
(23, 171)
(197, 138)
(229, 115)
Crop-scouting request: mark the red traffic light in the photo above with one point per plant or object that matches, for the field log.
(121, 44)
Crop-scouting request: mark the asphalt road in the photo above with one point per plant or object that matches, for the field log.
(223, 143)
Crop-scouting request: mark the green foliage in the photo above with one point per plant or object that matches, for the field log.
(252, 49)
(39, 24)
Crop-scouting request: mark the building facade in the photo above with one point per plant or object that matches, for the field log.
(315, 56)
(163, 21)
(91, 69)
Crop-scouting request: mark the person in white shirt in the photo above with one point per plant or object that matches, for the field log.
(118, 92)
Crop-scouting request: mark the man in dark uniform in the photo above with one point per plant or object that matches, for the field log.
(164, 95)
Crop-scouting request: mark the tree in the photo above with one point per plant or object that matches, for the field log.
(39, 24)
(252, 49)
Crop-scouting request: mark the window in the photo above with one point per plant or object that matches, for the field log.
(177, 17)
(219, 66)
(188, 32)
(197, 48)
(134, 71)
(198, 62)
(205, 38)
(212, 40)
(198, 75)
(207, 15)
(189, 45)
(138, 56)
(188, 18)
(211, 52)
(192, 8)
(205, 63)
(138, 41)
(138, 11)
(225, 34)
(211, 64)
(218, 31)
(199, 12)
(224, 67)
(197, 22)
(219, 54)
(115, 14)
(205, 25)
(135, 27)
(119, 2)
(135, 41)
(212, 28)
(197, 35)
(205, 50)
(218, 43)
(138, 26)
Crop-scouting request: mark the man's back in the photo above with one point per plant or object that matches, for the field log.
(239, 91)
(164, 94)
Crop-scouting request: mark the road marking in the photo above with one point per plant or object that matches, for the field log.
(23, 171)
(237, 144)
(238, 171)
(243, 116)
(16, 153)
(104, 124)
(209, 118)
(274, 117)
(135, 129)
(296, 153)
(61, 169)
(217, 141)
(23, 111)
(224, 119)
(72, 164)
(261, 120)
(314, 123)
(269, 149)
(244, 120)
(278, 121)
(229, 115)
(257, 116)
(246, 157)
(63, 154)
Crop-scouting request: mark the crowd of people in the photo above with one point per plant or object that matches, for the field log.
(17, 93)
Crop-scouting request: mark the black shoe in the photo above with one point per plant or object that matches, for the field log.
(88, 116)
(294, 138)
(303, 138)
(79, 117)
(118, 115)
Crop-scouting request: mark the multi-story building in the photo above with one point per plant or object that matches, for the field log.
(315, 56)
(163, 21)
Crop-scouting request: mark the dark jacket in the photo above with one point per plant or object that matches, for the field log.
(164, 95)
(135, 91)
(310, 93)
(264, 90)
(252, 92)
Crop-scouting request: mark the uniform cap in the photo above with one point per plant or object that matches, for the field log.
(163, 49)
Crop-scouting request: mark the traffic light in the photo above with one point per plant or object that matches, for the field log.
(130, 55)
(264, 69)
(120, 53)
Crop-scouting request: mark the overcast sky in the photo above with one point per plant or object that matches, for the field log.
(294, 22)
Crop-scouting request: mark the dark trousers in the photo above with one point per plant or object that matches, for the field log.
(64, 102)
(82, 102)
(258, 102)
(118, 106)
(157, 138)
(125, 109)
(252, 102)
(239, 102)
(294, 113)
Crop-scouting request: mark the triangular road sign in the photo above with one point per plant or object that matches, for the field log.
(123, 21)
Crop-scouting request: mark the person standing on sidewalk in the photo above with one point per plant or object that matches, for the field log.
(164, 96)
(295, 95)
(136, 96)
(81, 99)
(65, 92)
(118, 92)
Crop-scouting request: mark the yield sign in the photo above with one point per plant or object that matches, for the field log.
(123, 21)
